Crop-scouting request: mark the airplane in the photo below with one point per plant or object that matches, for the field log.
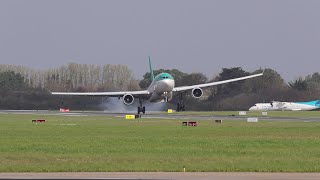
(286, 106)
(161, 89)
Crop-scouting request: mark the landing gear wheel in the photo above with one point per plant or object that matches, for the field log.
(183, 108)
(180, 104)
(178, 107)
(143, 110)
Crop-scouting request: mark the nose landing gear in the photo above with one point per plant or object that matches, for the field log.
(165, 96)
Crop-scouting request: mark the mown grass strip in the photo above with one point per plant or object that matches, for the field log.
(103, 144)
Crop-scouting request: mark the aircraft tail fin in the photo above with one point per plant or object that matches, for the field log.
(151, 70)
(314, 103)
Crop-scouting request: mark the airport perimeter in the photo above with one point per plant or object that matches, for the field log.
(103, 143)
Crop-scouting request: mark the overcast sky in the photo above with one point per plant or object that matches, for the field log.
(193, 36)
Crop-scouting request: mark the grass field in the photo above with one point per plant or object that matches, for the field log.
(73, 144)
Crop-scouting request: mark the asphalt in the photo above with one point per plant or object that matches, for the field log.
(158, 115)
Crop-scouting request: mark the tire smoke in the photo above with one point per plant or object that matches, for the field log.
(115, 105)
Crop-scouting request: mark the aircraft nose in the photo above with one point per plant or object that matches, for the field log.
(169, 84)
(166, 85)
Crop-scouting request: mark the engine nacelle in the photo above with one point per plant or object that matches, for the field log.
(128, 99)
(197, 92)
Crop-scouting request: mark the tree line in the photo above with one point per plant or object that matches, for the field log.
(73, 76)
(27, 88)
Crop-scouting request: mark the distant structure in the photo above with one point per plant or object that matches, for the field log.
(286, 106)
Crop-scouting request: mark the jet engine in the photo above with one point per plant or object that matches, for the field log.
(197, 92)
(128, 99)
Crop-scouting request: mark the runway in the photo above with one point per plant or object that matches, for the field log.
(158, 115)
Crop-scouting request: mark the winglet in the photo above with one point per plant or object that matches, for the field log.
(151, 71)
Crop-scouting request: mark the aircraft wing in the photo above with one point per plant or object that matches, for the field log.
(184, 88)
(111, 94)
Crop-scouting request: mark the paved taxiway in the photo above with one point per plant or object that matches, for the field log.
(164, 175)
(157, 115)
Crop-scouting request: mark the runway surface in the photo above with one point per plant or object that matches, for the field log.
(164, 175)
(158, 115)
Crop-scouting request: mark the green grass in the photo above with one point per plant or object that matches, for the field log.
(115, 144)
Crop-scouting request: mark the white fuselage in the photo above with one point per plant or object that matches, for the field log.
(262, 107)
(282, 106)
(161, 90)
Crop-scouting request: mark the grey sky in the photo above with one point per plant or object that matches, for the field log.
(193, 36)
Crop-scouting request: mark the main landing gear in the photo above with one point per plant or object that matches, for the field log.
(141, 109)
(180, 104)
